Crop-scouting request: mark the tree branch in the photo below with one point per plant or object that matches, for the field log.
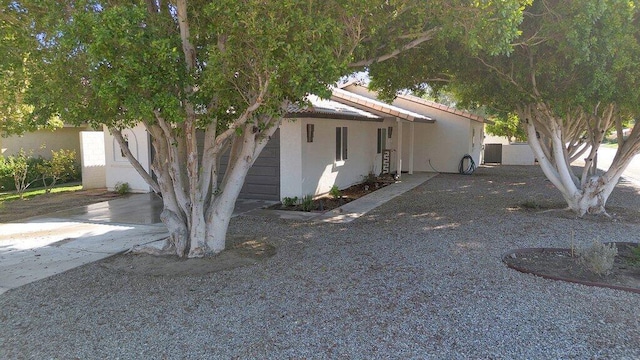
(421, 38)
(117, 134)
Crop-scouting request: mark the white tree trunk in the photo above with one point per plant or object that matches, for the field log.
(548, 138)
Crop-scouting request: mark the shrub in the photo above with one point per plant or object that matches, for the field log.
(598, 258)
(122, 188)
(12, 170)
(24, 171)
(335, 192)
(6, 175)
(635, 255)
(289, 201)
(62, 167)
(307, 203)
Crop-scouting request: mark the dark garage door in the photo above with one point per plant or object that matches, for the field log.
(263, 179)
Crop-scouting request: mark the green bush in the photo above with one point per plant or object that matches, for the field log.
(6, 175)
(335, 192)
(64, 161)
(62, 167)
(122, 188)
(306, 203)
(289, 201)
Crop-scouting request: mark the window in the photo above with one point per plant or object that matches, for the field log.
(310, 130)
(341, 143)
(126, 143)
(382, 140)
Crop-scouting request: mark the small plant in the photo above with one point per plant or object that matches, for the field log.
(307, 203)
(370, 179)
(531, 205)
(289, 201)
(122, 188)
(598, 258)
(635, 255)
(335, 192)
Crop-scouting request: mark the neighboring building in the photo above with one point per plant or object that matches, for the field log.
(42, 142)
(338, 141)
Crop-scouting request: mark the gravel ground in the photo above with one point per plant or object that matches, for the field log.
(419, 277)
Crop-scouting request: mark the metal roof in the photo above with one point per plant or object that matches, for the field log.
(323, 108)
(379, 106)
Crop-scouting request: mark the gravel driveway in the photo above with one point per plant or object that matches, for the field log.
(419, 277)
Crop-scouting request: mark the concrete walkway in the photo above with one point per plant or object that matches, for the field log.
(40, 247)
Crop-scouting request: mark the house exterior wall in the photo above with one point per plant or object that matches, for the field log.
(438, 146)
(118, 169)
(92, 159)
(310, 168)
(42, 142)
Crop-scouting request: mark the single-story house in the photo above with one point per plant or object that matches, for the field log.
(337, 141)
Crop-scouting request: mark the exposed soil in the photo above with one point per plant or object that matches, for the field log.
(559, 264)
(46, 204)
(328, 202)
(241, 251)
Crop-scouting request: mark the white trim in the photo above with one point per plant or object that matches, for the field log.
(399, 151)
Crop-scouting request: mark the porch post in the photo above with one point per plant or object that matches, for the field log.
(412, 129)
(399, 154)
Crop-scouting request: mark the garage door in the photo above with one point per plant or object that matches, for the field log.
(263, 179)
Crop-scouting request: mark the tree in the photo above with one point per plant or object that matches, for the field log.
(507, 125)
(15, 112)
(570, 77)
(228, 68)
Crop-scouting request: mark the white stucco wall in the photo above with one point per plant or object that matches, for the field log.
(517, 154)
(118, 168)
(438, 146)
(92, 159)
(310, 167)
(42, 142)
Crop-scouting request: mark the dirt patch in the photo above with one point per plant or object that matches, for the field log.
(559, 264)
(242, 251)
(328, 202)
(47, 204)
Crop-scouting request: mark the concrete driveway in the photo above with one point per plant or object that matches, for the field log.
(40, 247)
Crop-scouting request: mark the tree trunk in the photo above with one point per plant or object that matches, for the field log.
(550, 139)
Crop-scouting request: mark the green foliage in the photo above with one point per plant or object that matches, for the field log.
(472, 27)
(306, 203)
(635, 255)
(289, 201)
(61, 167)
(122, 188)
(507, 125)
(335, 192)
(6, 175)
(571, 54)
(23, 171)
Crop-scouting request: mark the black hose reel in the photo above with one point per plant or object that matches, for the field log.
(467, 165)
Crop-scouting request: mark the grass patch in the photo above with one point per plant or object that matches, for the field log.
(12, 195)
